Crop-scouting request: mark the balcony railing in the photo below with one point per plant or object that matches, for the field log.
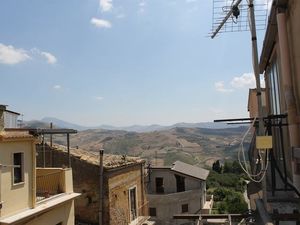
(52, 181)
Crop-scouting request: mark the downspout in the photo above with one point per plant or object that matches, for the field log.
(1, 203)
(143, 190)
(33, 198)
(101, 192)
(287, 81)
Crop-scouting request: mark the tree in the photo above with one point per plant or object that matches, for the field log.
(217, 166)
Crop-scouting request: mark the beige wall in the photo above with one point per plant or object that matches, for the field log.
(63, 213)
(294, 31)
(19, 196)
(169, 204)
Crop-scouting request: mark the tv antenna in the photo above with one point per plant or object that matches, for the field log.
(233, 15)
(239, 15)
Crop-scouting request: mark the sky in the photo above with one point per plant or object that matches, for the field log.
(121, 62)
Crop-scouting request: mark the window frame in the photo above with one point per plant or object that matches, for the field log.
(273, 79)
(159, 189)
(152, 212)
(185, 208)
(180, 183)
(131, 217)
(14, 168)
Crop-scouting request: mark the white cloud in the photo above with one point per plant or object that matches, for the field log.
(57, 86)
(142, 5)
(106, 5)
(99, 98)
(219, 86)
(121, 16)
(100, 23)
(51, 59)
(11, 55)
(247, 80)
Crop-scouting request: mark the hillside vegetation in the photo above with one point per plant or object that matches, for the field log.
(199, 146)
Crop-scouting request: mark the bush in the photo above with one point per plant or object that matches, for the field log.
(228, 180)
(229, 201)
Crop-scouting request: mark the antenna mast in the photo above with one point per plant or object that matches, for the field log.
(235, 13)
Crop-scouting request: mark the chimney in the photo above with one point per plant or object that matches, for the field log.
(2, 110)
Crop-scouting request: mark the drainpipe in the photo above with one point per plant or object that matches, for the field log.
(101, 192)
(143, 190)
(33, 198)
(287, 81)
(1, 203)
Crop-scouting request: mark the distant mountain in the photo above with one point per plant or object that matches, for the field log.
(45, 122)
(63, 124)
(35, 124)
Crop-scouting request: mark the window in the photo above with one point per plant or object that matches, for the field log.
(180, 183)
(185, 208)
(132, 203)
(152, 211)
(273, 82)
(159, 182)
(18, 169)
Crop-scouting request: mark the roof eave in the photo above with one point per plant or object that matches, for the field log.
(269, 39)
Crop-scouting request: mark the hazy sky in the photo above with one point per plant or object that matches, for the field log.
(121, 62)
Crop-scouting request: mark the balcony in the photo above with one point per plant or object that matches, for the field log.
(52, 181)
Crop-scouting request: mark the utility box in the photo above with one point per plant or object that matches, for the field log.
(264, 142)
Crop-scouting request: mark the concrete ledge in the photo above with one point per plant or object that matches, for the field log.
(40, 208)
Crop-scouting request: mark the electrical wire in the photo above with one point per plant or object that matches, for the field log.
(244, 167)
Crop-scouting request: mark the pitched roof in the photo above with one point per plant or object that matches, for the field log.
(189, 170)
(110, 161)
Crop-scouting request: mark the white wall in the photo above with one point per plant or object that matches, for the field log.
(10, 120)
(171, 201)
(170, 181)
(170, 204)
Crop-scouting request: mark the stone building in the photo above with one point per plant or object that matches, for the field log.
(178, 189)
(114, 197)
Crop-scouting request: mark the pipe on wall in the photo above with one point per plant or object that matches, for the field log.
(143, 190)
(33, 166)
(287, 81)
(101, 192)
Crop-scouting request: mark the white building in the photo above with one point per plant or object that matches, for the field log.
(178, 189)
(8, 119)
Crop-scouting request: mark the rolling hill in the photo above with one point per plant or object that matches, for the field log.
(200, 146)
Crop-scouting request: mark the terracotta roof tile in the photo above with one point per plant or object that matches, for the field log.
(109, 160)
(7, 135)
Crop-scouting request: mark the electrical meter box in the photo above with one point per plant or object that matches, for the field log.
(264, 142)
